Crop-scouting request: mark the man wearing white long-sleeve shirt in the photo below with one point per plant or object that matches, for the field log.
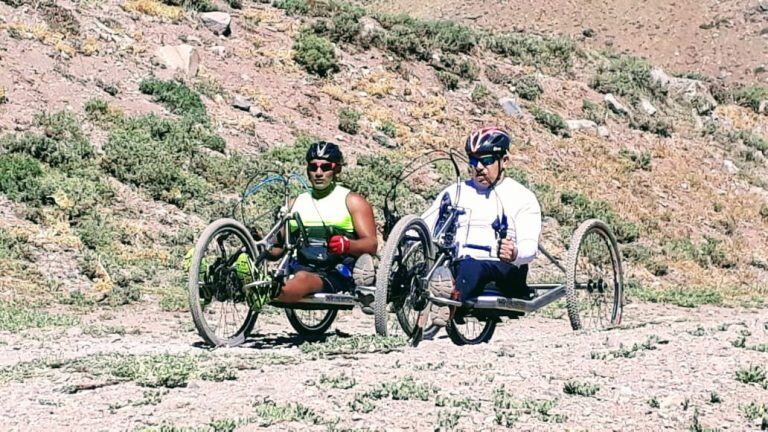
(497, 231)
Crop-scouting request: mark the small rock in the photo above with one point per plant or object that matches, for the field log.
(730, 167)
(511, 107)
(219, 99)
(758, 156)
(190, 39)
(219, 51)
(255, 111)
(241, 103)
(588, 32)
(603, 131)
(180, 57)
(615, 105)
(576, 125)
(384, 141)
(370, 30)
(646, 106)
(217, 22)
(762, 7)
(763, 108)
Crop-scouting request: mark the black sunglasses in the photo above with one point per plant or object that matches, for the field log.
(484, 160)
(324, 166)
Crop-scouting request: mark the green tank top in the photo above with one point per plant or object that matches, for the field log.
(326, 216)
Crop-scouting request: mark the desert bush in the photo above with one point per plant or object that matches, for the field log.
(293, 7)
(155, 154)
(195, 5)
(449, 80)
(746, 96)
(20, 178)
(544, 53)
(571, 208)
(626, 76)
(316, 54)
(638, 160)
(349, 121)
(177, 97)
(580, 388)
(388, 128)
(653, 124)
(552, 121)
(15, 317)
(595, 112)
(528, 87)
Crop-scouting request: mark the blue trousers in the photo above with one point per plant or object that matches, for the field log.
(472, 276)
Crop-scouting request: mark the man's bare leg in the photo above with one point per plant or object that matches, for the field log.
(300, 285)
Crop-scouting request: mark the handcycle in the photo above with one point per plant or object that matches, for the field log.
(231, 269)
(592, 285)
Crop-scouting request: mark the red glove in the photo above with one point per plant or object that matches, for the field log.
(338, 245)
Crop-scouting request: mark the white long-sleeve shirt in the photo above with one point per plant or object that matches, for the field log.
(475, 235)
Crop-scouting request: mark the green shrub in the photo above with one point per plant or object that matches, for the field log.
(449, 80)
(293, 7)
(176, 97)
(553, 122)
(155, 154)
(595, 112)
(580, 388)
(95, 231)
(316, 54)
(388, 128)
(78, 193)
(639, 160)
(349, 121)
(20, 178)
(556, 54)
(746, 96)
(626, 76)
(372, 177)
(528, 87)
(572, 208)
(195, 5)
(653, 124)
(342, 25)
(481, 96)
(496, 76)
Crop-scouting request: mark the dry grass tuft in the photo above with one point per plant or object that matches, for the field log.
(154, 8)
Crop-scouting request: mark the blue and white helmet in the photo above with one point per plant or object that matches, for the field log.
(488, 140)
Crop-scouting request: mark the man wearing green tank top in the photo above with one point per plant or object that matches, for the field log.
(340, 227)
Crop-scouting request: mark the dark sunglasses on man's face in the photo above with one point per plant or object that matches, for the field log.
(486, 160)
(324, 166)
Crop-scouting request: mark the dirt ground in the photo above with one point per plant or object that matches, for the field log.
(666, 368)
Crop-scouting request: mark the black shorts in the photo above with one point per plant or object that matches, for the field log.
(333, 280)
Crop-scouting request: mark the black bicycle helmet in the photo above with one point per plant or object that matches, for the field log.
(489, 140)
(326, 151)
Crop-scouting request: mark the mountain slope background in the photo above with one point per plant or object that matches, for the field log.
(113, 159)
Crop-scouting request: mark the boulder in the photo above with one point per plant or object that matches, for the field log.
(686, 89)
(217, 22)
(183, 58)
(576, 125)
(615, 105)
(511, 107)
(370, 30)
(647, 106)
(241, 103)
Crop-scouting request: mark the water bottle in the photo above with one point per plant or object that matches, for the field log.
(344, 270)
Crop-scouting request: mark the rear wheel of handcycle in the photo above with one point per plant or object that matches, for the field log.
(474, 331)
(222, 264)
(403, 264)
(311, 323)
(594, 284)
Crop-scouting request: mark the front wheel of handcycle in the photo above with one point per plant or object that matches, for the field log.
(311, 323)
(472, 331)
(594, 285)
(404, 263)
(222, 264)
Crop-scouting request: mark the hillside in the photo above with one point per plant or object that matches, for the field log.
(724, 40)
(125, 126)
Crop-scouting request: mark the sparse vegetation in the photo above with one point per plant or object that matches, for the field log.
(16, 317)
(403, 389)
(744, 95)
(624, 352)
(639, 160)
(579, 388)
(752, 374)
(358, 344)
